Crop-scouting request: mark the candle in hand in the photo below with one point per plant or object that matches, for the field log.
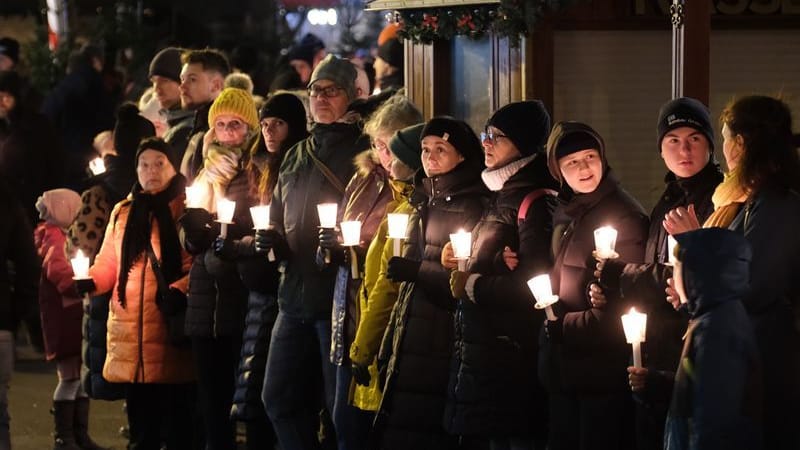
(80, 266)
(398, 226)
(543, 293)
(327, 214)
(225, 209)
(260, 215)
(605, 239)
(462, 246)
(97, 166)
(635, 325)
(671, 244)
(351, 235)
(194, 197)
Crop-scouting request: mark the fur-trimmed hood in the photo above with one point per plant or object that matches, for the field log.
(366, 162)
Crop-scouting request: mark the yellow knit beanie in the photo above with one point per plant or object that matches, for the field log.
(236, 102)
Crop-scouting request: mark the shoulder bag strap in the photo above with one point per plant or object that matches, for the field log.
(332, 178)
(528, 201)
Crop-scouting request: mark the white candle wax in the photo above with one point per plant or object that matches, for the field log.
(605, 239)
(260, 215)
(194, 197)
(351, 232)
(671, 244)
(462, 244)
(225, 209)
(327, 214)
(80, 266)
(543, 293)
(97, 166)
(398, 225)
(396, 249)
(635, 326)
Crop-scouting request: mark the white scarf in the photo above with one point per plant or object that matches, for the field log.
(495, 179)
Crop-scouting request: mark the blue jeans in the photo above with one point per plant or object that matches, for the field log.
(297, 351)
(352, 424)
(6, 367)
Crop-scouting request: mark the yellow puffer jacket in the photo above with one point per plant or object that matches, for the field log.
(138, 351)
(375, 300)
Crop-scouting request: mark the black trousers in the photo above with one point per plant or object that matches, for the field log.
(216, 360)
(160, 413)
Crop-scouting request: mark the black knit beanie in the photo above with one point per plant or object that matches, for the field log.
(392, 52)
(684, 112)
(405, 145)
(156, 144)
(526, 123)
(129, 131)
(167, 64)
(457, 133)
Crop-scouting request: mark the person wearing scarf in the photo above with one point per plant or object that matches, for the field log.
(158, 375)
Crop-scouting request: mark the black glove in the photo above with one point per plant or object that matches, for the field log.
(360, 374)
(554, 329)
(85, 286)
(195, 219)
(402, 269)
(230, 249)
(271, 239)
(329, 238)
(173, 302)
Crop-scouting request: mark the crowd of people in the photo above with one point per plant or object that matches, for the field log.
(203, 315)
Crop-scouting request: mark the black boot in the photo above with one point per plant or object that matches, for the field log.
(64, 414)
(82, 426)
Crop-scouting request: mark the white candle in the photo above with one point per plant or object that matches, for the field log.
(327, 214)
(605, 239)
(543, 293)
(351, 232)
(260, 215)
(194, 197)
(462, 246)
(225, 209)
(97, 166)
(671, 244)
(635, 325)
(398, 227)
(80, 266)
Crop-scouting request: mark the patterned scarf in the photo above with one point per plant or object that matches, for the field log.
(221, 163)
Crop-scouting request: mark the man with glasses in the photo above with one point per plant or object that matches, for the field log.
(315, 171)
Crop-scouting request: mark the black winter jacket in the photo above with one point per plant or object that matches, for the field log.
(19, 278)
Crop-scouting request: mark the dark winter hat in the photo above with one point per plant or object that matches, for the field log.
(129, 131)
(457, 133)
(287, 107)
(685, 112)
(156, 144)
(577, 141)
(167, 64)
(306, 49)
(526, 123)
(406, 146)
(10, 83)
(340, 71)
(392, 52)
(10, 48)
(569, 137)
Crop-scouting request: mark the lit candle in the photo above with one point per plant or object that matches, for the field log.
(605, 239)
(543, 293)
(462, 246)
(260, 215)
(327, 219)
(194, 197)
(225, 209)
(671, 243)
(398, 226)
(351, 235)
(97, 166)
(635, 325)
(80, 266)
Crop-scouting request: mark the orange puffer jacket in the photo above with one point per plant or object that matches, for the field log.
(138, 351)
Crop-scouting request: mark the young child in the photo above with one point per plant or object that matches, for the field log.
(716, 398)
(61, 312)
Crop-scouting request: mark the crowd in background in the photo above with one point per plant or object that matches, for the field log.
(201, 317)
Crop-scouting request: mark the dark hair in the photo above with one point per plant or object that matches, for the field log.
(210, 59)
(770, 148)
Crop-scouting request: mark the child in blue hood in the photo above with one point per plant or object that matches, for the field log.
(716, 399)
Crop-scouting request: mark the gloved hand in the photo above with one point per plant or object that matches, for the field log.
(329, 238)
(458, 282)
(173, 302)
(195, 219)
(554, 329)
(271, 239)
(360, 374)
(85, 286)
(402, 269)
(230, 249)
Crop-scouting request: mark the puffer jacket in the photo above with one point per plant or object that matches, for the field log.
(593, 339)
(365, 199)
(59, 305)
(138, 349)
(418, 344)
(493, 389)
(18, 294)
(376, 299)
(305, 290)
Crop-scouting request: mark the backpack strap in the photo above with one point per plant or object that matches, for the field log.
(326, 171)
(528, 201)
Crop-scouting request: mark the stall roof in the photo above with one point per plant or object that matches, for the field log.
(377, 5)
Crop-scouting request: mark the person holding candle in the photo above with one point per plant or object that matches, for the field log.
(717, 395)
(419, 341)
(493, 390)
(61, 312)
(759, 199)
(313, 172)
(366, 198)
(685, 140)
(141, 231)
(587, 411)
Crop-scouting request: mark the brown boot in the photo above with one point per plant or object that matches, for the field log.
(64, 413)
(82, 426)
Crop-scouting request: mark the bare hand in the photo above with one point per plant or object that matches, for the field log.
(681, 220)
(449, 261)
(510, 258)
(598, 268)
(637, 377)
(596, 296)
(672, 294)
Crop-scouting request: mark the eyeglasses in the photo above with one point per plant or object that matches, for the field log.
(233, 125)
(327, 92)
(492, 137)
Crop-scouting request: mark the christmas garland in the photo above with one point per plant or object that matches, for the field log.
(510, 19)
